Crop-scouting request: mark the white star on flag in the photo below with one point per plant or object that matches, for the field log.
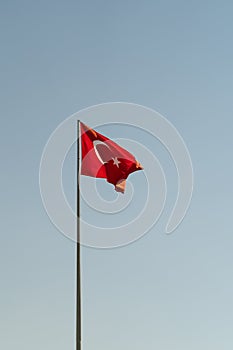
(116, 161)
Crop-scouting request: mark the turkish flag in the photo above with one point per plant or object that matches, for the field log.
(103, 158)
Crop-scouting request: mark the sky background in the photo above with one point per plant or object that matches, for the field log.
(161, 292)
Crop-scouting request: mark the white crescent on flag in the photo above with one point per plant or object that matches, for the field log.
(95, 144)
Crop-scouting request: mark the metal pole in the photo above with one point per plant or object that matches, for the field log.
(78, 266)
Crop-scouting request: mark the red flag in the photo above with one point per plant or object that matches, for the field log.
(103, 158)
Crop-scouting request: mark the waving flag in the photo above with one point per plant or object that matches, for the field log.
(103, 158)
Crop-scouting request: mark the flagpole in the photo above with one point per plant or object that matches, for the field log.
(78, 261)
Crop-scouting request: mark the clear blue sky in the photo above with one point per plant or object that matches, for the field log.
(162, 292)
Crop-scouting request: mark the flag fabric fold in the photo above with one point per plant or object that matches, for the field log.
(103, 158)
